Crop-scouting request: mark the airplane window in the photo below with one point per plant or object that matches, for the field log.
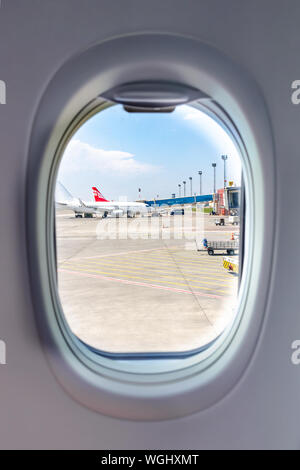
(148, 217)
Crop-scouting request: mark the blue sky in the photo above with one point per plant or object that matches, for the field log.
(119, 152)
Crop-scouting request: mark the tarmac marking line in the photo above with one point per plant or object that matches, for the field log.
(120, 253)
(116, 267)
(208, 261)
(167, 264)
(142, 284)
(170, 267)
(147, 279)
(157, 278)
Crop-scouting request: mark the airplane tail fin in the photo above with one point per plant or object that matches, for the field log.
(98, 196)
(81, 202)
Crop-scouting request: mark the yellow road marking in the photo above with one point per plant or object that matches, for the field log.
(153, 272)
(155, 263)
(210, 263)
(101, 271)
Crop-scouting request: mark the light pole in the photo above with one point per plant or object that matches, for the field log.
(200, 176)
(214, 196)
(214, 167)
(184, 193)
(224, 158)
(191, 182)
(179, 186)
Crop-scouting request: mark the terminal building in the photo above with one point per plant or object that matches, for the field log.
(227, 200)
(224, 202)
(181, 200)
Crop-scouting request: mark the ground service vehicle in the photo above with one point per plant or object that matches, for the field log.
(229, 246)
(233, 219)
(220, 222)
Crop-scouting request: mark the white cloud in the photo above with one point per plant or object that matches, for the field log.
(205, 124)
(80, 156)
(217, 136)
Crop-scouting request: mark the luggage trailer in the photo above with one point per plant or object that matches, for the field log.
(230, 246)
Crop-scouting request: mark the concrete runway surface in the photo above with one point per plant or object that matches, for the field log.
(139, 285)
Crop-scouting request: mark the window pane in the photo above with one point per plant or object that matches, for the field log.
(148, 221)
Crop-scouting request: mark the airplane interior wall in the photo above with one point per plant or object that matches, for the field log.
(261, 409)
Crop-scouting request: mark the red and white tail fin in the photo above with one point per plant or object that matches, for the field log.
(98, 196)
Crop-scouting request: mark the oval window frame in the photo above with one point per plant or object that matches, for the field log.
(166, 390)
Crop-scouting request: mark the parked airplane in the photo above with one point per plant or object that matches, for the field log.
(100, 205)
(116, 208)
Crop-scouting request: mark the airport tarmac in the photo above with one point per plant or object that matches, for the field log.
(129, 286)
